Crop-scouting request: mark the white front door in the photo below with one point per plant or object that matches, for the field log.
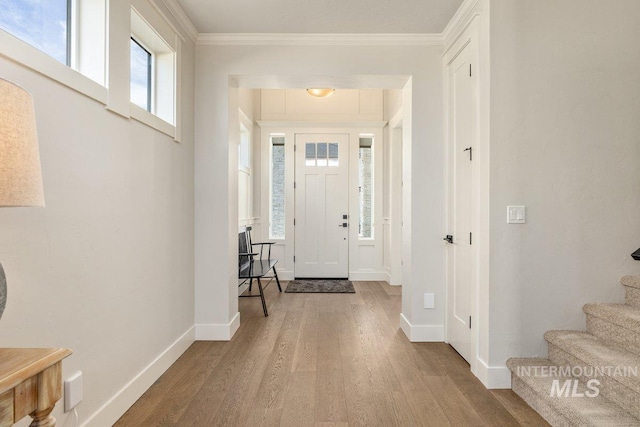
(322, 201)
(461, 294)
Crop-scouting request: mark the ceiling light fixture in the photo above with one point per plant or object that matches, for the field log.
(321, 93)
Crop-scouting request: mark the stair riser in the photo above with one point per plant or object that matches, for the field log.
(614, 334)
(610, 388)
(632, 296)
(538, 403)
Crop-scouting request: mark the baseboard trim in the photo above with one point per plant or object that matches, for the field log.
(115, 407)
(368, 276)
(495, 377)
(421, 333)
(286, 275)
(217, 331)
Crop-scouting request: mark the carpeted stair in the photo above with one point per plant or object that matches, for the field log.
(608, 352)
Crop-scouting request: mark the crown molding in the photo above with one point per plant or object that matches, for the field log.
(301, 39)
(179, 14)
(459, 22)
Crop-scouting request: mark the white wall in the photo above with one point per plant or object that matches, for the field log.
(216, 98)
(565, 94)
(106, 269)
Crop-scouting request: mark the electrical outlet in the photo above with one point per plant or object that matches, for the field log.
(72, 391)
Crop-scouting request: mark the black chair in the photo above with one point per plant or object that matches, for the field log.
(252, 265)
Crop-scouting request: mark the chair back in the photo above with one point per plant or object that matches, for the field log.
(244, 248)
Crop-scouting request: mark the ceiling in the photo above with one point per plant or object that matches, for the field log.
(320, 16)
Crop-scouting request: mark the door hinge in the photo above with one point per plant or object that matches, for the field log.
(294, 148)
(471, 238)
(294, 185)
(470, 150)
(294, 222)
(294, 258)
(469, 70)
(469, 322)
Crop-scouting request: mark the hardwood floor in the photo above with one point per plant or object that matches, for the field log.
(324, 360)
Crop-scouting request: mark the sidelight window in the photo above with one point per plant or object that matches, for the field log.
(365, 187)
(277, 202)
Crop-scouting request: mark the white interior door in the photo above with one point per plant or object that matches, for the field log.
(461, 294)
(322, 201)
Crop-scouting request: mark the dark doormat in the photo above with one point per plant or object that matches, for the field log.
(323, 286)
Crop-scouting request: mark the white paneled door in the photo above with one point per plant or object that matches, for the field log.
(461, 294)
(321, 206)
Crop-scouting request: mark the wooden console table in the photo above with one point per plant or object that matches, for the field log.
(30, 384)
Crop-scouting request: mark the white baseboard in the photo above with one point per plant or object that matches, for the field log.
(217, 331)
(421, 333)
(115, 407)
(368, 276)
(493, 376)
(286, 275)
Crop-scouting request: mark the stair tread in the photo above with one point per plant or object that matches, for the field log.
(631, 281)
(593, 351)
(583, 411)
(623, 315)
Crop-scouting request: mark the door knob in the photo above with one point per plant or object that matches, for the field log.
(344, 224)
(449, 238)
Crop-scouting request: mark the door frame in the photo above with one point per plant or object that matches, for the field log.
(479, 251)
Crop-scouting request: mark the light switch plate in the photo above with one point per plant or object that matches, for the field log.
(429, 301)
(516, 215)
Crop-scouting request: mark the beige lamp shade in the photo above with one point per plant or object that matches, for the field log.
(20, 174)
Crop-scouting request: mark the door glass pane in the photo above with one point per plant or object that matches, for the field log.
(44, 24)
(333, 154)
(310, 154)
(322, 154)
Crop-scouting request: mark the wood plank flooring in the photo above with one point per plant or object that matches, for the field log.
(324, 360)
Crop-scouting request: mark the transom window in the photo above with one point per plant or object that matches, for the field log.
(321, 154)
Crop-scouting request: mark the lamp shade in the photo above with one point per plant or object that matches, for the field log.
(20, 174)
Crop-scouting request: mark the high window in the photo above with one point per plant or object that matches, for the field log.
(365, 186)
(141, 72)
(277, 199)
(70, 31)
(43, 24)
(153, 84)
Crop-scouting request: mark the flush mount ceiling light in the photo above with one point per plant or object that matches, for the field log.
(320, 93)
